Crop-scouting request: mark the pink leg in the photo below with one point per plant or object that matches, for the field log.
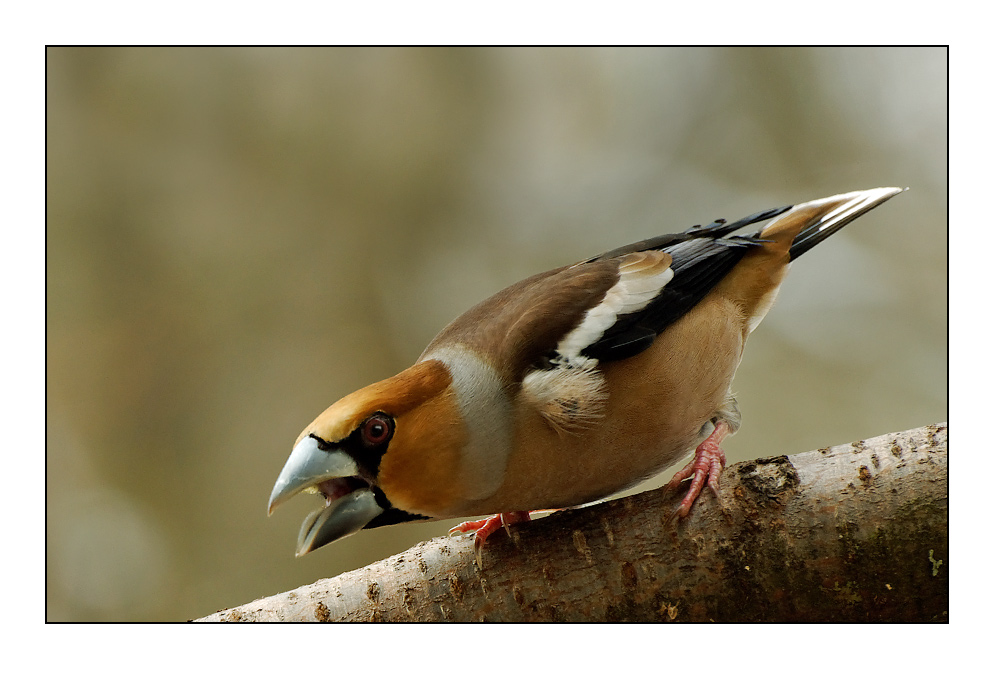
(709, 460)
(485, 527)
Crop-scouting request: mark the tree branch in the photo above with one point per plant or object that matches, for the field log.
(856, 532)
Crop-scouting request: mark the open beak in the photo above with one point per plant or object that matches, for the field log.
(350, 502)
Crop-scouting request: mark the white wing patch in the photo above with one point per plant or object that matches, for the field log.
(571, 395)
(642, 276)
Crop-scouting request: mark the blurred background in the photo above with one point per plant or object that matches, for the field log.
(239, 237)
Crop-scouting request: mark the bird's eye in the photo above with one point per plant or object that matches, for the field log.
(377, 430)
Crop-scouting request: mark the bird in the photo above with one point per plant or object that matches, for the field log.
(564, 388)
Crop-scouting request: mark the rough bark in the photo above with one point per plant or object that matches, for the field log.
(856, 532)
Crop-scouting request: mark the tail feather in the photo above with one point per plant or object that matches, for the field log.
(754, 282)
(851, 206)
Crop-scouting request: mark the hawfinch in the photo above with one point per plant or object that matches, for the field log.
(564, 388)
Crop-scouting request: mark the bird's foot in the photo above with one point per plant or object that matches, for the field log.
(485, 527)
(708, 462)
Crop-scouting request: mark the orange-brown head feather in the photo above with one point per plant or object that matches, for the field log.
(394, 396)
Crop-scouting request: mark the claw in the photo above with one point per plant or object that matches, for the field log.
(709, 461)
(466, 527)
(485, 527)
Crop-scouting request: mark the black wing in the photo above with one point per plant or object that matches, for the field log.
(702, 256)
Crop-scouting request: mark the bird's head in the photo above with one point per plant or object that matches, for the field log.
(382, 455)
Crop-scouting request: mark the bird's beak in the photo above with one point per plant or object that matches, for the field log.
(345, 516)
(351, 504)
